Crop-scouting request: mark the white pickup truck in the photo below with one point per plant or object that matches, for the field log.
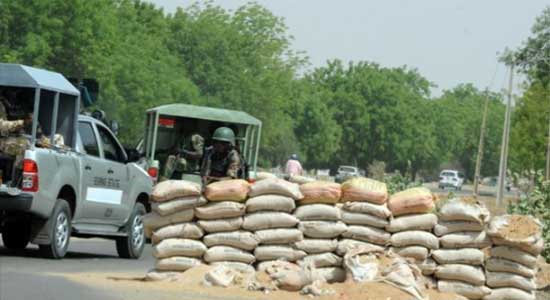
(85, 187)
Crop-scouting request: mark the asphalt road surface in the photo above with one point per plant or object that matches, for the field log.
(488, 191)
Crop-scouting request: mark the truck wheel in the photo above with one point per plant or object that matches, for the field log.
(132, 245)
(16, 235)
(59, 231)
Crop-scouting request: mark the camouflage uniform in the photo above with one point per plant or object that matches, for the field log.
(221, 165)
(12, 144)
(180, 164)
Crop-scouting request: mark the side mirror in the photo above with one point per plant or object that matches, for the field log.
(114, 127)
(133, 155)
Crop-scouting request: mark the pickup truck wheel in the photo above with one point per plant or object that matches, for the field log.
(16, 235)
(132, 245)
(60, 231)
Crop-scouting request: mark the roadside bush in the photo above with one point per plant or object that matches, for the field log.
(397, 183)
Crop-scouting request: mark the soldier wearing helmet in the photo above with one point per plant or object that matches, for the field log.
(221, 161)
(184, 159)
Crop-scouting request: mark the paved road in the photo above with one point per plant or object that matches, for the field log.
(25, 275)
(488, 191)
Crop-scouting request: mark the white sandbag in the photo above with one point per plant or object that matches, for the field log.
(378, 210)
(179, 247)
(317, 212)
(300, 179)
(464, 209)
(173, 206)
(183, 230)
(415, 238)
(268, 220)
(239, 239)
(412, 222)
(510, 294)
(321, 260)
(465, 273)
(464, 289)
(154, 275)
(264, 175)
(331, 274)
(503, 280)
(533, 249)
(153, 221)
(275, 186)
(368, 234)
(316, 246)
(177, 263)
(220, 210)
(469, 239)
(518, 231)
(221, 225)
(351, 218)
(503, 265)
(427, 267)
(514, 255)
(322, 229)
(346, 245)
(172, 189)
(226, 253)
(287, 253)
(417, 252)
(468, 256)
(447, 227)
(270, 203)
(279, 236)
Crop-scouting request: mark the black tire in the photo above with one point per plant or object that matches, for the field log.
(59, 226)
(132, 245)
(16, 234)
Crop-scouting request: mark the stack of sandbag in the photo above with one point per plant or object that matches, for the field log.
(321, 226)
(511, 268)
(411, 226)
(176, 239)
(365, 212)
(269, 215)
(461, 229)
(222, 219)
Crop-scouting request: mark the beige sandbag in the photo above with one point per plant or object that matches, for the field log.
(179, 247)
(465, 273)
(183, 230)
(331, 274)
(351, 218)
(173, 206)
(447, 227)
(287, 253)
(514, 255)
(368, 234)
(468, 256)
(417, 252)
(510, 294)
(275, 186)
(300, 179)
(264, 175)
(533, 249)
(346, 245)
(317, 212)
(221, 225)
(172, 189)
(239, 239)
(417, 200)
(503, 265)
(220, 210)
(177, 263)
(279, 236)
(503, 280)
(427, 267)
(320, 192)
(465, 240)
(321, 260)
(226, 253)
(415, 238)
(270, 203)
(518, 231)
(227, 190)
(412, 222)
(364, 189)
(268, 220)
(316, 246)
(153, 221)
(322, 229)
(464, 289)
(379, 210)
(464, 209)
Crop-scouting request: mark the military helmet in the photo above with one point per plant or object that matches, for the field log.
(224, 134)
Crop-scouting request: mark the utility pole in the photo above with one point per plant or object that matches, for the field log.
(505, 140)
(481, 142)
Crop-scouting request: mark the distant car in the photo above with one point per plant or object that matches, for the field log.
(346, 172)
(451, 178)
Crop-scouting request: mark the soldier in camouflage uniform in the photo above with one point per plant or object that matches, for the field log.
(221, 161)
(12, 143)
(184, 159)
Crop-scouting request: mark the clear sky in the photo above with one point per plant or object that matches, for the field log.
(448, 41)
